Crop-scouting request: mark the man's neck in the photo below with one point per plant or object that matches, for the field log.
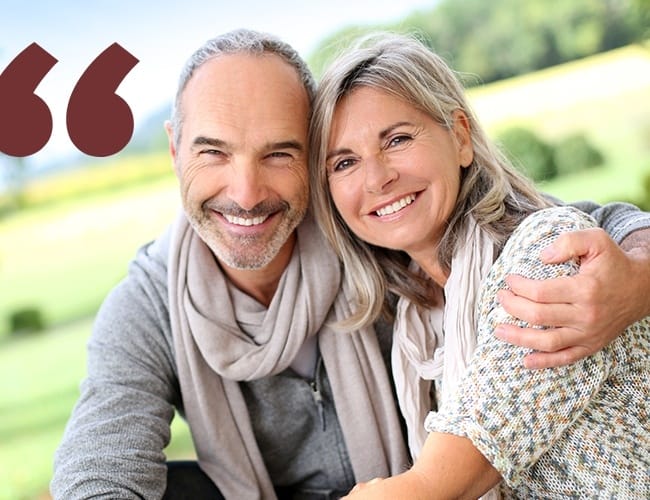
(261, 284)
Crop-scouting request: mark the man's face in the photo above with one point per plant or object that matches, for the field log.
(242, 157)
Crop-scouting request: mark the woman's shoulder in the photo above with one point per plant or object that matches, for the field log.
(520, 255)
(560, 219)
(548, 223)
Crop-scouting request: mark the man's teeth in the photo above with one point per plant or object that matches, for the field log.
(241, 221)
(398, 205)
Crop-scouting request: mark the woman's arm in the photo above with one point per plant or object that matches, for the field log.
(448, 467)
(503, 417)
(592, 308)
(511, 414)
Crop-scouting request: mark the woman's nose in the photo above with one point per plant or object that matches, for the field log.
(379, 175)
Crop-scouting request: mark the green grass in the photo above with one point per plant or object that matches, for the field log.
(606, 96)
(41, 375)
(63, 258)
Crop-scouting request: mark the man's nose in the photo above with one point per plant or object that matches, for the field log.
(247, 184)
(378, 174)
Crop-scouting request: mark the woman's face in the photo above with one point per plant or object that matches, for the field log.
(394, 172)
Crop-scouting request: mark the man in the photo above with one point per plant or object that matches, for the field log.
(226, 316)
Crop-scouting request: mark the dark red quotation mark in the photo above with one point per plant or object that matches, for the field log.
(100, 123)
(25, 119)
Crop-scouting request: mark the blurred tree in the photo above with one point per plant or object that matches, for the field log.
(14, 173)
(504, 38)
(332, 45)
(574, 153)
(641, 12)
(528, 152)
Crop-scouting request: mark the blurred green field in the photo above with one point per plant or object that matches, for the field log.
(63, 257)
(606, 96)
(41, 375)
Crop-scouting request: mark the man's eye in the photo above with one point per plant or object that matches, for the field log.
(214, 152)
(280, 154)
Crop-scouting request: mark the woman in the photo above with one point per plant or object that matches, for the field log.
(418, 202)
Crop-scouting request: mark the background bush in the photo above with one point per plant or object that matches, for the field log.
(575, 153)
(644, 203)
(528, 152)
(26, 320)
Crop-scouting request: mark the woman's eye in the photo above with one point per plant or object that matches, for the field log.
(343, 164)
(398, 140)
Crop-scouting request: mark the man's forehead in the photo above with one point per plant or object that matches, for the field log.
(246, 101)
(254, 73)
(261, 85)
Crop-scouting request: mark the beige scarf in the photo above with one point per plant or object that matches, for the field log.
(433, 344)
(213, 353)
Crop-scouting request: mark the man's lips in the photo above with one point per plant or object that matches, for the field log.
(245, 221)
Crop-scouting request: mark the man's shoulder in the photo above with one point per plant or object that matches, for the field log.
(136, 310)
(143, 290)
(151, 259)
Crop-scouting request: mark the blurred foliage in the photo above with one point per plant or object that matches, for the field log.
(15, 176)
(644, 201)
(575, 153)
(528, 152)
(641, 9)
(26, 320)
(504, 38)
(65, 256)
(99, 176)
(543, 160)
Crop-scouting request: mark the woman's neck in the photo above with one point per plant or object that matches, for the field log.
(430, 264)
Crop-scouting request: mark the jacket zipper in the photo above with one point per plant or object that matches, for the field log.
(316, 393)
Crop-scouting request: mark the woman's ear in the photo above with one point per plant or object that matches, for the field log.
(463, 133)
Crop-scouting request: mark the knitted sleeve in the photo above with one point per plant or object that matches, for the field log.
(511, 414)
(113, 443)
(617, 218)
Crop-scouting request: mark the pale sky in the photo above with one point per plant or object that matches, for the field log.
(161, 34)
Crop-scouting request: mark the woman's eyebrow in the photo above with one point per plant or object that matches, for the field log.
(382, 135)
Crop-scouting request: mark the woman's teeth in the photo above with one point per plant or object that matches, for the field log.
(394, 207)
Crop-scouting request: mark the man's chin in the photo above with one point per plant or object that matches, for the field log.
(249, 256)
(245, 263)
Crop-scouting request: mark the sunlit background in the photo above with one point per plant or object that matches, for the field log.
(563, 86)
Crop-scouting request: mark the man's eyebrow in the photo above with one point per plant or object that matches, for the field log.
(270, 146)
(382, 135)
(209, 141)
(285, 145)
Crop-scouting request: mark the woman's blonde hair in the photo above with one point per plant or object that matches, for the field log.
(491, 189)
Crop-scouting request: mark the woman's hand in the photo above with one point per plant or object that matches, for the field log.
(360, 487)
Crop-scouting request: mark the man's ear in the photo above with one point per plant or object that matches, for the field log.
(463, 133)
(170, 139)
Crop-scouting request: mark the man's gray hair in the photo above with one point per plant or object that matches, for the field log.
(237, 42)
